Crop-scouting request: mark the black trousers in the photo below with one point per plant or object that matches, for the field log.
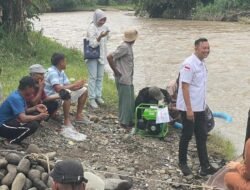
(198, 127)
(16, 131)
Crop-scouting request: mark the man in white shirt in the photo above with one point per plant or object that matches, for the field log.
(191, 102)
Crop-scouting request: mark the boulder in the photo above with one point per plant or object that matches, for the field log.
(28, 184)
(3, 163)
(19, 182)
(117, 184)
(9, 178)
(50, 182)
(45, 177)
(34, 174)
(33, 188)
(32, 148)
(3, 172)
(94, 181)
(13, 158)
(39, 184)
(4, 187)
(24, 166)
(40, 168)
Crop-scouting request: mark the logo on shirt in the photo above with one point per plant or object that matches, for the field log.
(187, 68)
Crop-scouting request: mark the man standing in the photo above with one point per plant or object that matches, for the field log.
(122, 63)
(15, 122)
(37, 72)
(56, 80)
(191, 102)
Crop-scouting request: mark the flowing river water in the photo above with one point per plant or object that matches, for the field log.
(163, 45)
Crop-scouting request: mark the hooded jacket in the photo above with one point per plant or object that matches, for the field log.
(94, 32)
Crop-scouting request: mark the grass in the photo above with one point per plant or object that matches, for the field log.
(217, 145)
(16, 55)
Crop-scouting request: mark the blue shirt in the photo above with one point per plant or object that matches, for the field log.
(14, 105)
(54, 77)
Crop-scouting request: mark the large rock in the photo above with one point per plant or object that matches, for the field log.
(3, 173)
(13, 158)
(19, 182)
(3, 163)
(9, 178)
(45, 177)
(94, 181)
(4, 187)
(24, 166)
(40, 168)
(39, 184)
(28, 184)
(117, 184)
(33, 149)
(33, 188)
(34, 174)
(50, 182)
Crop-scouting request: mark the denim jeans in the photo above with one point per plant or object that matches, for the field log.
(96, 73)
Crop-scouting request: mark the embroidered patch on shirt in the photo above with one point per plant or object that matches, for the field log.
(187, 67)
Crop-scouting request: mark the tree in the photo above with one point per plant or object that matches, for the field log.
(17, 12)
(169, 8)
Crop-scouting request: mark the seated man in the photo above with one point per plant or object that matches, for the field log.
(37, 73)
(68, 175)
(56, 80)
(15, 123)
(151, 95)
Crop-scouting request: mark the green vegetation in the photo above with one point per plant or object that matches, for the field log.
(77, 5)
(18, 53)
(225, 10)
(222, 10)
(220, 146)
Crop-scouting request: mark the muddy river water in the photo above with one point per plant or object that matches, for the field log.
(163, 45)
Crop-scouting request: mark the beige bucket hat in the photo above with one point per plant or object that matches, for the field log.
(130, 35)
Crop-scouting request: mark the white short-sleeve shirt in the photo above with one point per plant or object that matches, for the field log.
(194, 72)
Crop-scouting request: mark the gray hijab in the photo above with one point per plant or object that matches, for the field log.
(98, 15)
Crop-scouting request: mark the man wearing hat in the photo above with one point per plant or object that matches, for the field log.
(37, 72)
(68, 174)
(122, 63)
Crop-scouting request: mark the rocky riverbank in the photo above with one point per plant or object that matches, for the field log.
(109, 152)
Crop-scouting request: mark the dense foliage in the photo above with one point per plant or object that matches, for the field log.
(186, 8)
(17, 12)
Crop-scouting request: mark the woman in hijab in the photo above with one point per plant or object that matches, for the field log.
(97, 35)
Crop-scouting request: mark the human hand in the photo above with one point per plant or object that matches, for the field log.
(79, 84)
(117, 73)
(103, 34)
(41, 83)
(190, 115)
(42, 116)
(232, 165)
(41, 108)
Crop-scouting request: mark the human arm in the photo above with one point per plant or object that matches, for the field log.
(38, 97)
(121, 51)
(24, 118)
(73, 87)
(112, 65)
(93, 37)
(186, 96)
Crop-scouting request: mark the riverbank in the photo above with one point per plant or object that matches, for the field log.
(122, 7)
(108, 150)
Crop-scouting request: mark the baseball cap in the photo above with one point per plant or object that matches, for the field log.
(37, 68)
(68, 172)
(156, 93)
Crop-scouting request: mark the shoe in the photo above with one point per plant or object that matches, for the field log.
(100, 101)
(93, 104)
(84, 121)
(210, 170)
(185, 169)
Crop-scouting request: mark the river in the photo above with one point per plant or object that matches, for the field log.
(163, 45)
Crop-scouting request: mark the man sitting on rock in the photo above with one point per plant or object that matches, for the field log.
(56, 80)
(68, 175)
(37, 72)
(16, 123)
